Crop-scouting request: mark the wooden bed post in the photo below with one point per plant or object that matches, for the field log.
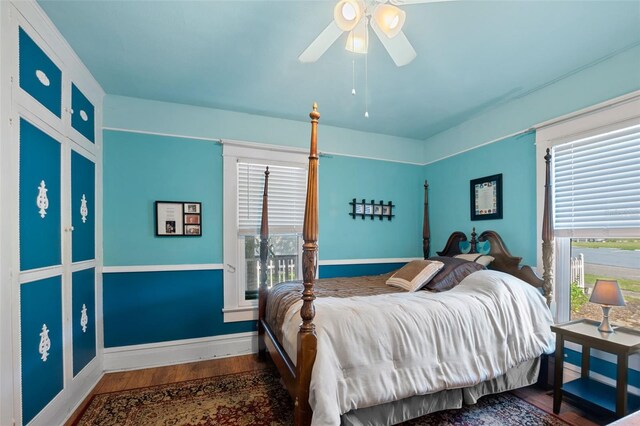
(547, 233)
(264, 253)
(426, 232)
(307, 339)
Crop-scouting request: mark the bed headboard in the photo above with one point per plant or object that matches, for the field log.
(503, 260)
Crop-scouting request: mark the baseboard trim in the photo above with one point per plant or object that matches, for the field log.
(135, 357)
(58, 411)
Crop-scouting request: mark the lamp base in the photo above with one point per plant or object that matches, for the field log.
(605, 327)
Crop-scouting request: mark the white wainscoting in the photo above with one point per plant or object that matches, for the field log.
(179, 351)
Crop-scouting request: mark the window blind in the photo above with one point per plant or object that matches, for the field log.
(597, 185)
(287, 194)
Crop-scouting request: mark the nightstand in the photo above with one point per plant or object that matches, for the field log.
(623, 342)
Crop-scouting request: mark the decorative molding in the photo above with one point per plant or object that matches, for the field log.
(162, 268)
(367, 261)
(170, 135)
(41, 200)
(42, 78)
(84, 318)
(179, 351)
(84, 211)
(45, 343)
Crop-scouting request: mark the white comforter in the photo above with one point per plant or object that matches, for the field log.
(377, 349)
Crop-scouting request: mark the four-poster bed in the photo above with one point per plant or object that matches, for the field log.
(295, 356)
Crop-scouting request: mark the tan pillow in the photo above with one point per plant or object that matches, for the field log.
(415, 274)
(482, 259)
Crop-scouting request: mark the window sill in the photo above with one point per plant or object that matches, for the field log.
(242, 313)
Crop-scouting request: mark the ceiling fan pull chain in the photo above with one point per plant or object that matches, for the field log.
(353, 77)
(366, 85)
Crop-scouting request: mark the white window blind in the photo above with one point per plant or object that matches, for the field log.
(287, 194)
(597, 185)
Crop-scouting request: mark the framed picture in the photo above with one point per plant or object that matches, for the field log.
(178, 219)
(192, 229)
(192, 208)
(486, 197)
(371, 209)
(192, 219)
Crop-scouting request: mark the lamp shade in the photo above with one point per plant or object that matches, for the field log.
(607, 292)
(348, 13)
(389, 18)
(358, 39)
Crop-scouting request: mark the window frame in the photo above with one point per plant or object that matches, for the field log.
(608, 116)
(236, 307)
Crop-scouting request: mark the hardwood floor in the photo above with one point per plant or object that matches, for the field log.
(113, 382)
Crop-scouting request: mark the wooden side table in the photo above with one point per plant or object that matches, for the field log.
(623, 342)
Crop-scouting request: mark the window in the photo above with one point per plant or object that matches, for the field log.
(596, 201)
(608, 258)
(244, 167)
(287, 191)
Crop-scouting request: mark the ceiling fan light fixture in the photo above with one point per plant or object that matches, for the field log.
(390, 19)
(358, 38)
(348, 13)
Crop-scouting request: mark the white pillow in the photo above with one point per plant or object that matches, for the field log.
(482, 259)
(415, 274)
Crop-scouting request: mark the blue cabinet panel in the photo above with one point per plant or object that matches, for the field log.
(40, 241)
(39, 76)
(84, 318)
(83, 211)
(42, 364)
(82, 118)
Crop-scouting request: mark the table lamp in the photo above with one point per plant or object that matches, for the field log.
(608, 294)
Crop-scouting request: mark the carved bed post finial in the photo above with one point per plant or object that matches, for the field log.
(264, 254)
(473, 241)
(307, 340)
(547, 232)
(426, 232)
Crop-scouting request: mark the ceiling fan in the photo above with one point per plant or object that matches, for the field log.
(355, 16)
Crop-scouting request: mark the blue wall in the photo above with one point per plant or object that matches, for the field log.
(449, 201)
(140, 169)
(169, 118)
(341, 237)
(163, 306)
(147, 307)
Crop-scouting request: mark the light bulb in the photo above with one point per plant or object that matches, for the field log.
(366, 114)
(353, 92)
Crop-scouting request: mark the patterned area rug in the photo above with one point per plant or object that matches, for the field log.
(258, 398)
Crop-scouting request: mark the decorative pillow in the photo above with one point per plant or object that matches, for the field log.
(475, 257)
(415, 274)
(454, 271)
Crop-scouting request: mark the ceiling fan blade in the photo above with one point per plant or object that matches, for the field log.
(405, 2)
(320, 45)
(398, 47)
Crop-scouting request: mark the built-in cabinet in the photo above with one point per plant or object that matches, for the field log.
(54, 136)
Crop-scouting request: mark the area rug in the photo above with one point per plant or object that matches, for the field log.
(258, 398)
